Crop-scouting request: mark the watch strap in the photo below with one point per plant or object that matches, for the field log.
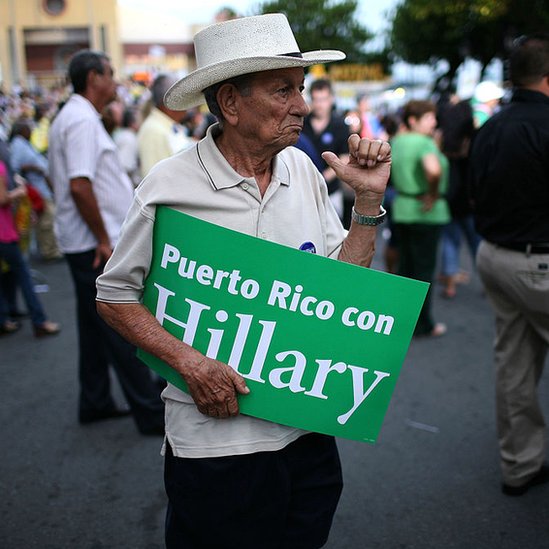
(371, 220)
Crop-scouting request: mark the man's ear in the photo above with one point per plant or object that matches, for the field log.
(412, 121)
(91, 78)
(227, 98)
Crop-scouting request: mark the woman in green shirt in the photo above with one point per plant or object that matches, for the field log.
(420, 176)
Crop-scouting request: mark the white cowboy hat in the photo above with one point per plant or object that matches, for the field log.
(241, 46)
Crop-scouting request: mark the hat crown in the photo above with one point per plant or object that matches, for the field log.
(242, 46)
(487, 91)
(261, 35)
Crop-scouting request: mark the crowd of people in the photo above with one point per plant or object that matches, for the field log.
(452, 163)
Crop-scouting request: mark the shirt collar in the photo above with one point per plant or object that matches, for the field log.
(522, 95)
(221, 173)
(77, 98)
(163, 117)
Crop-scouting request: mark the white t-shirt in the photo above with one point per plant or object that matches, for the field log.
(79, 146)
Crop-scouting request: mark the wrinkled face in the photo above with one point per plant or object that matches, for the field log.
(322, 102)
(273, 112)
(425, 124)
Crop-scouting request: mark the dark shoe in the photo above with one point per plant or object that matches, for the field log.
(541, 477)
(47, 328)
(94, 416)
(9, 327)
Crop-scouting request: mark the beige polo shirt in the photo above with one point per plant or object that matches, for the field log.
(200, 182)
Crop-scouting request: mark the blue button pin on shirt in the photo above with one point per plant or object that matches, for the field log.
(308, 247)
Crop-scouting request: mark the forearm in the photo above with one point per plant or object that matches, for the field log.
(433, 181)
(8, 197)
(31, 168)
(212, 385)
(433, 173)
(360, 245)
(136, 324)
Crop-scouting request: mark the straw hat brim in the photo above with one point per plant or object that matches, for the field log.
(187, 92)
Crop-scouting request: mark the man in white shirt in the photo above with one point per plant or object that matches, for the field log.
(161, 134)
(92, 194)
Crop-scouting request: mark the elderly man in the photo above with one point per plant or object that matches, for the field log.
(234, 480)
(510, 185)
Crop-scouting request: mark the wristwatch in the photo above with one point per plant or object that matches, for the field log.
(371, 220)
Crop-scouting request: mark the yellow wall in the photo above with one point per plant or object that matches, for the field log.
(21, 15)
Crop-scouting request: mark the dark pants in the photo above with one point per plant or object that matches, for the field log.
(418, 245)
(101, 346)
(21, 276)
(284, 499)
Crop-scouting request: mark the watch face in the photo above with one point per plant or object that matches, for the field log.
(54, 7)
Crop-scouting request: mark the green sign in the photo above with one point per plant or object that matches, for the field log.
(320, 342)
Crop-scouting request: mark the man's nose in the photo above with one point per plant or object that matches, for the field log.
(301, 106)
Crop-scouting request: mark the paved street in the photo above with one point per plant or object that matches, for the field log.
(431, 481)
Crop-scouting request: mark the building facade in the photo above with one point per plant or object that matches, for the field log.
(38, 37)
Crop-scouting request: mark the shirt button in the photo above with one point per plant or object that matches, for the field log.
(245, 186)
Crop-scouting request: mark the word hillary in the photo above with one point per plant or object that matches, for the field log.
(281, 294)
(240, 339)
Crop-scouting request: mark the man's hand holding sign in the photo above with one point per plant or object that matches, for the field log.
(213, 385)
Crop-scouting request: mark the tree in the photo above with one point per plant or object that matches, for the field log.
(424, 31)
(321, 24)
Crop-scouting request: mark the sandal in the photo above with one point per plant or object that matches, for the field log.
(439, 329)
(47, 328)
(449, 292)
(9, 327)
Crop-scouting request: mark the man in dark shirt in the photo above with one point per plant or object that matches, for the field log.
(326, 130)
(509, 176)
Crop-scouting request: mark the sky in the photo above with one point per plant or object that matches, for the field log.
(370, 12)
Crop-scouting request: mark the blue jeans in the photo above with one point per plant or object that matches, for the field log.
(451, 242)
(12, 255)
